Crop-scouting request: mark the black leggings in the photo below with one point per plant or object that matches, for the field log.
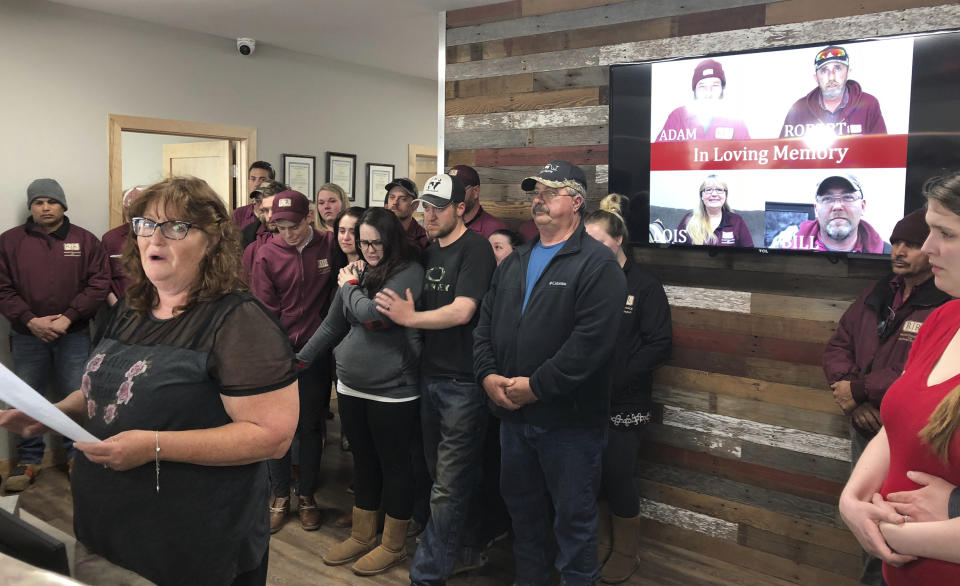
(380, 434)
(619, 462)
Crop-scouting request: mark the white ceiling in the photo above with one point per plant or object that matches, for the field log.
(397, 35)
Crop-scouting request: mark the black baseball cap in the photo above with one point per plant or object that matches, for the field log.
(405, 184)
(558, 174)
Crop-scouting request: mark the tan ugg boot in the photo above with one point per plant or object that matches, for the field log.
(363, 538)
(604, 532)
(389, 553)
(623, 561)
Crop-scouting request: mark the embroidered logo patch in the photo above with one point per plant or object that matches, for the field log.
(284, 202)
(628, 307)
(71, 249)
(911, 326)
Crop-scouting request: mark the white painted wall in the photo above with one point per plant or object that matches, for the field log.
(142, 156)
(63, 70)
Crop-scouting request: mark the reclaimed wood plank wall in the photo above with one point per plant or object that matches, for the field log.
(748, 454)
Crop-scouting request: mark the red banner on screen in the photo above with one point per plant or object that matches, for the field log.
(877, 151)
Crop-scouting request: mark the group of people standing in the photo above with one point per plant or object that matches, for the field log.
(217, 346)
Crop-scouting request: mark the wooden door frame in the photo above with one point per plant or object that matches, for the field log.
(415, 150)
(245, 136)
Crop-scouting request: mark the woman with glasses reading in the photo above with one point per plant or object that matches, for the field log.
(711, 223)
(377, 390)
(188, 410)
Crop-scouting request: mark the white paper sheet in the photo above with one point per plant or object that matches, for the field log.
(18, 394)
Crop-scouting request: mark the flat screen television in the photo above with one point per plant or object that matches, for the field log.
(815, 148)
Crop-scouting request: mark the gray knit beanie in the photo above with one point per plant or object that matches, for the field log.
(46, 188)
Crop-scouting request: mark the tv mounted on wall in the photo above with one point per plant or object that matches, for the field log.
(754, 131)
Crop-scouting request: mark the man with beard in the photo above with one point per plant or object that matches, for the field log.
(402, 201)
(458, 264)
(873, 339)
(706, 118)
(839, 226)
(255, 234)
(259, 172)
(475, 217)
(837, 103)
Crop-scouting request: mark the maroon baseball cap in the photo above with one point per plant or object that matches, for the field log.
(708, 68)
(290, 205)
(466, 174)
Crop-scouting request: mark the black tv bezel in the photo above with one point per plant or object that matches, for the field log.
(23, 541)
(920, 137)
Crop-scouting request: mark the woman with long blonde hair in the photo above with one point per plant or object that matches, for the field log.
(711, 223)
(918, 445)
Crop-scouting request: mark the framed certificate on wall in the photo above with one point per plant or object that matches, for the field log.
(378, 177)
(299, 172)
(342, 170)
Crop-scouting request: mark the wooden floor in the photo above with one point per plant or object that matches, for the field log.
(295, 554)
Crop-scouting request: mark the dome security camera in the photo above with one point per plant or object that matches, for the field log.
(246, 46)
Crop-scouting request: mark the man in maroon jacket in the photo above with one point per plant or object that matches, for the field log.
(837, 103)
(259, 172)
(294, 277)
(53, 277)
(475, 217)
(402, 201)
(873, 339)
(113, 241)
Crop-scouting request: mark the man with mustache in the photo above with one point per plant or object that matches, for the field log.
(837, 103)
(873, 339)
(542, 348)
(839, 227)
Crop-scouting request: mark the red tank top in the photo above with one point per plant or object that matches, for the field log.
(905, 410)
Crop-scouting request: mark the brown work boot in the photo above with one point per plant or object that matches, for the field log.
(389, 553)
(363, 538)
(310, 517)
(22, 476)
(278, 513)
(624, 559)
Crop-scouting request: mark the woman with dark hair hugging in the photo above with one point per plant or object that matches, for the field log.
(377, 390)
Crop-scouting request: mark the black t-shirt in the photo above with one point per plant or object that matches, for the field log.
(207, 523)
(461, 269)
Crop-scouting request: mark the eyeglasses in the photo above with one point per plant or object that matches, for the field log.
(712, 190)
(550, 194)
(171, 229)
(844, 198)
(374, 244)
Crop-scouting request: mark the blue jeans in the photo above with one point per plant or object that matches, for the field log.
(33, 361)
(561, 467)
(453, 416)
